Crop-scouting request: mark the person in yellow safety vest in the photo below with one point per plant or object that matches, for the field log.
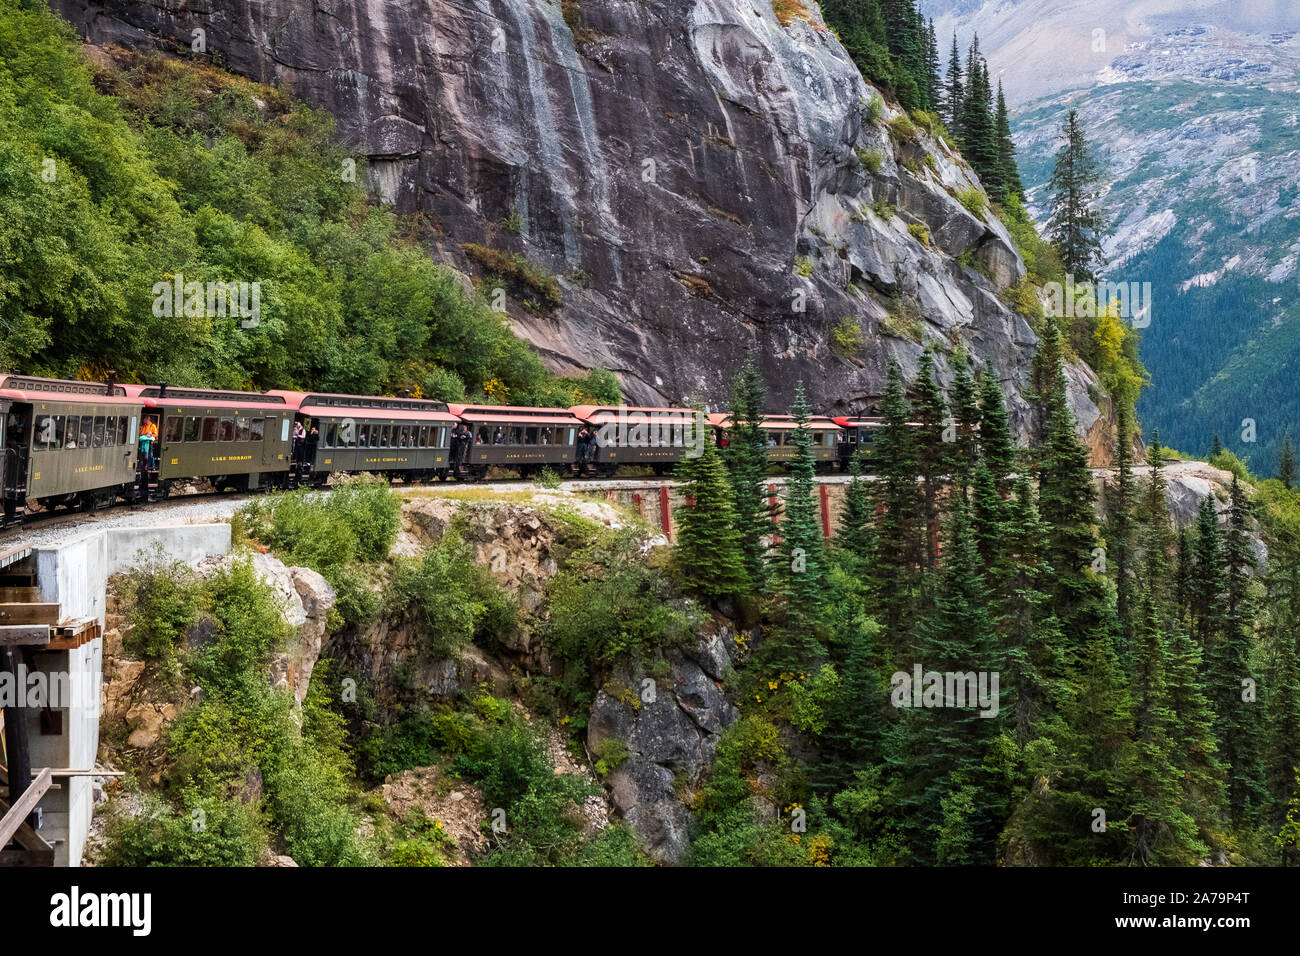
(148, 437)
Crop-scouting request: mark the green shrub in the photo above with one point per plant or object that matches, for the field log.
(163, 602)
(874, 107)
(802, 266)
(918, 232)
(871, 159)
(524, 277)
(610, 754)
(847, 339)
(973, 200)
(882, 208)
(456, 600)
(902, 128)
(205, 831)
(443, 385)
(607, 606)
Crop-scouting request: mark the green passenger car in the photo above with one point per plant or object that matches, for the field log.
(399, 437)
(65, 443)
(522, 438)
(237, 440)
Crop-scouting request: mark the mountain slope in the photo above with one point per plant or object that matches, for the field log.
(701, 179)
(1193, 109)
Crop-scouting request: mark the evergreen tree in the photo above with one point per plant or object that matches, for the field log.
(979, 140)
(856, 537)
(1215, 448)
(934, 453)
(997, 447)
(1065, 499)
(1009, 184)
(950, 743)
(966, 417)
(801, 565)
(954, 93)
(1286, 464)
(1120, 524)
(1089, 765)
(933, 82)
(1239, 724)
(707, 553)
(1163, 832)
(899, 528)
(1206, 582)
(747, 460)
(1075, 222)
(1031, 631)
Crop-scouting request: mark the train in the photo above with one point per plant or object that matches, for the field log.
(77, 446)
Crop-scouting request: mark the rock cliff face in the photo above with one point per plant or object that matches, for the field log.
(702, 178)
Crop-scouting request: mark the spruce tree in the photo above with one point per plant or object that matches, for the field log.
(856, 538)
(707, 553)
(801, 561)
(1009, 184)
(899, 528)
(1286, 464)
(747, 467)
(1065, 499)
(954, 92)
(1163, 832)
(1120, 522)
(1075, 221)
(997, 447)
(1239, 725)
(934, 453)
(966, 416)
(950, 743)
(933, 81)
(1033, 660)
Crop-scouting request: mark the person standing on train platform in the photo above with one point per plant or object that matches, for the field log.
(148, 439)
(299, 436)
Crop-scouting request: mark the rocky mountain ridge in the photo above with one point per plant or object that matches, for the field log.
(701, 179)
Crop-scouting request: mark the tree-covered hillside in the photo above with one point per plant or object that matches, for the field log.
(120, 176)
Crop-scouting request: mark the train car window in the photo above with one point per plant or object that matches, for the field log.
(209, 429)
(257, 429)
(97, 431)
(817, 439)
(121, 430)
(44, 437)
(190, 431)
(382, 437)
(83, 433)
(363, 435)
(570, 440)
(227, 430)
(70, 437)
(110, 430)
(530, 436)
(174, 430)
(242, 432)
(59, 425)
(331, 434)
(406, 436)
(284, 429)
(424, 437)
(516, 435)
